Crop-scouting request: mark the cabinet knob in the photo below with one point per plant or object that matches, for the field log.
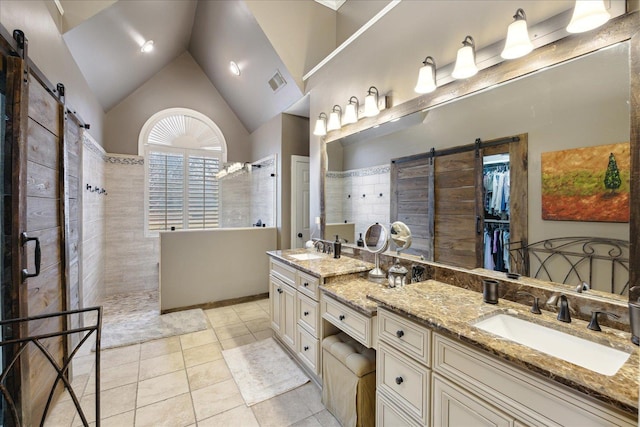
(306, 313)
(279, 290)
(400, 333)
(306, 347)
(399, 380)
(305, 284)
(341, 317)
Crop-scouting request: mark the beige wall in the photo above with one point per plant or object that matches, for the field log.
(301, 32)
(51, 55)
(354, 14)
(182, 83)
(203, 266)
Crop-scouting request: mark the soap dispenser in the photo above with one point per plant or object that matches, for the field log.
(337, 247)
(360, 242)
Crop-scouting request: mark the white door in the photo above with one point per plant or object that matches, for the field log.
(299, 201)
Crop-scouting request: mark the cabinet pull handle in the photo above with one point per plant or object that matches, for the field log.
(306, 313)
(341, 317)
(305, 284)
(306, 347)
(399, 380)
(400, 333)
(38, 256)
(279, 290)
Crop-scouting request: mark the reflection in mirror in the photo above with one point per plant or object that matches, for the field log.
(376, 241)
(580, 103)
(401, 236)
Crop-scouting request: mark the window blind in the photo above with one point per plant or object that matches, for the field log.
(166, 190)
(203, 192)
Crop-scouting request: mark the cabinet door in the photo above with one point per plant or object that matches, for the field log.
(275, 301)
(288, 325)
(453, 406)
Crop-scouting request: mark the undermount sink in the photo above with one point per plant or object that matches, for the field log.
(588, 354)
(305, 257)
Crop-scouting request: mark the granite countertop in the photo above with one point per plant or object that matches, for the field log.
(352, 290)
(452, 311)
(324, 266)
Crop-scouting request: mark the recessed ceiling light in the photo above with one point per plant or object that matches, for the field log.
(147, 46)
(234, 68)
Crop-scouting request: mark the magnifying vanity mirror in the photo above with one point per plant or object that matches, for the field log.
(400, 236)
(376, 241)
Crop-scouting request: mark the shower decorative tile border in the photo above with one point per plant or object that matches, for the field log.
(121, 159)
(374, 170)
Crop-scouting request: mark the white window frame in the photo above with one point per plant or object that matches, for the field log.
(144, 148)
(185, 194)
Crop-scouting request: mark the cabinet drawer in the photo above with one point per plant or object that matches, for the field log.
(308, 350)
(531, 399)
(389, 415)
(283, 272)
(308, 317)
(405, 335)
(308, 285)
(404, 381)
(357, 325)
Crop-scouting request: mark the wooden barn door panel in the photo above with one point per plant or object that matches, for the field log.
(412, 200)
(456, 238)
(42, 216)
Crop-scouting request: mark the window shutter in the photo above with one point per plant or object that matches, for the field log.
(203, 192)
(166, 190)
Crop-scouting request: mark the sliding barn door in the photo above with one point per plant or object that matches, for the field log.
(457, 241)
(412, 200)
(40, 218)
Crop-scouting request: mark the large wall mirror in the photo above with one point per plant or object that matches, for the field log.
(584, 102)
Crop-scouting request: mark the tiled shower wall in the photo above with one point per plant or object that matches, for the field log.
(246, 197)
(93, 222)
(360, 196)
(131, 262)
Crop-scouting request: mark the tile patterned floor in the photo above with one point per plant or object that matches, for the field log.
(184, 381)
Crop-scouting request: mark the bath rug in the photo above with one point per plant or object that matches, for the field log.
(263, 370)
(150, 325)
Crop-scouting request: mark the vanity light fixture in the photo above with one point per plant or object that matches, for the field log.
(587, 15)
(371, 103)
(147, 46)
(334, 118)
(351, 111)
(518, 42)
(427, 76)
(466, 60)
(321, 125)
(235, 70)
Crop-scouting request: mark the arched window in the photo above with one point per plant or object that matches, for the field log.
(183, 151)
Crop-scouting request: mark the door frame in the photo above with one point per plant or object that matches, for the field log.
(294, 198)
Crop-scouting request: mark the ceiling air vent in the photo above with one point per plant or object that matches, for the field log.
(277, 81)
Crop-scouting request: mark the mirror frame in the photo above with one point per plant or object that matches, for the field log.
(620, 29)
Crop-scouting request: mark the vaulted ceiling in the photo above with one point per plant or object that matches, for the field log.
(105, 36)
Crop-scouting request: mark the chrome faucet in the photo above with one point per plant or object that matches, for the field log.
(563, 312)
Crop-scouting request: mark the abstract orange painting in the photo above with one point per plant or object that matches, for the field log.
(587, 184)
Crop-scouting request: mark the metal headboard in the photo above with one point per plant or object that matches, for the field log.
(573, 260)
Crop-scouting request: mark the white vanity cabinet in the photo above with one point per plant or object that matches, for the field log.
(469, 387)
(295, 317)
